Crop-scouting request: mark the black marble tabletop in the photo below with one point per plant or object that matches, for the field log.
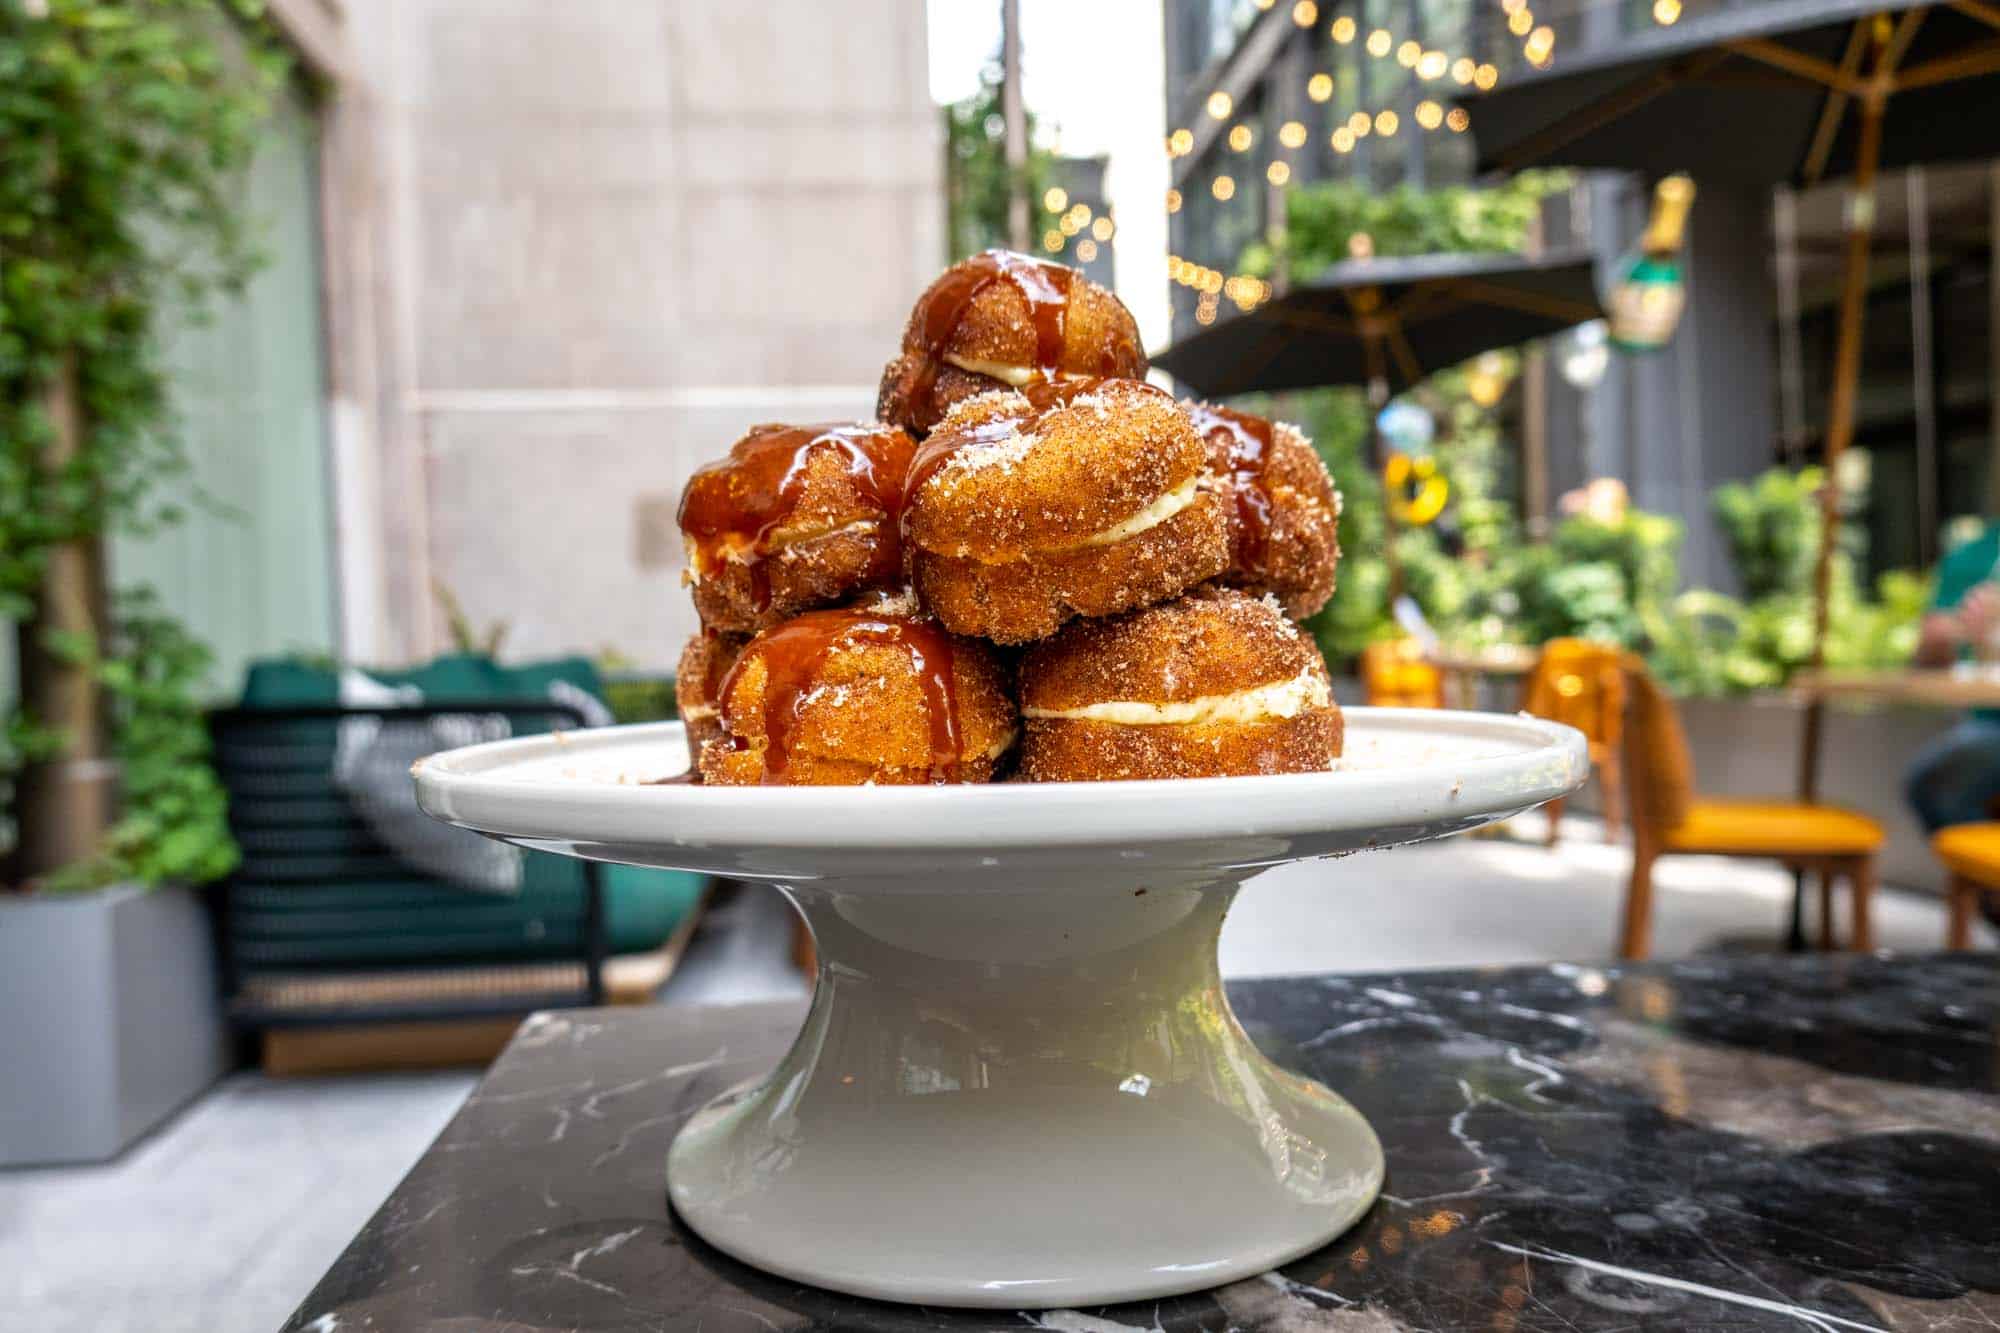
(1712, 1145)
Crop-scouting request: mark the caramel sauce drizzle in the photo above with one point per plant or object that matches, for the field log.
(1240, 448)
(1044, 286)
(794, 652)
(739, 501)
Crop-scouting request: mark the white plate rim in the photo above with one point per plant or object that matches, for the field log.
(1547, 760)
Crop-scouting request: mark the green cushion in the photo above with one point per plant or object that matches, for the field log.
(316, 886)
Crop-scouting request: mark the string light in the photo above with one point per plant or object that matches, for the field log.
(1520, 23)
(1666, 12)
(1540, 44)
(1427, 64)
(1081, 212)
(1052, 241)
(1069, 226)
(1056, 199)
(1512, 6)
(1086, 250)
(1102, 228)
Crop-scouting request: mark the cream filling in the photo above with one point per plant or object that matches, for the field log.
(1000, 370)
(742, 551)
(1154, 514)
(1285, 698)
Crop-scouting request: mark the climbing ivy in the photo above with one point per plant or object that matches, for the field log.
(126, 127)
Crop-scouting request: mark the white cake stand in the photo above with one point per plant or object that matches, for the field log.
(1019, 1084)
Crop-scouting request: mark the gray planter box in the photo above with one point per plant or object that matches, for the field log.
(112, 1020)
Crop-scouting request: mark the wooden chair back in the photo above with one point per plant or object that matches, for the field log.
(1659, 771)
(1395, 675)
(1580, 684)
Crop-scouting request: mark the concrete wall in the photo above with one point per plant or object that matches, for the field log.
(579, 247)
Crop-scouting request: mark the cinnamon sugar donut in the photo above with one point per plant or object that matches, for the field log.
(1000, 320)
(858, 695)
(1213, 684)
(704, 663)
(1025, 508)
(1284, 513)
(793, 518)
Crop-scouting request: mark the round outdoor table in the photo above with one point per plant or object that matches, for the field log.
(1951, 688)
(1461, 668)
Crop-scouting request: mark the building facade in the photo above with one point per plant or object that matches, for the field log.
(1266, 96)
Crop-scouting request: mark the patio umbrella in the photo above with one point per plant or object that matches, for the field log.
(1387, 323)
(1786, 93)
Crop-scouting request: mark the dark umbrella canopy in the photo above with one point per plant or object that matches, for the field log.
(1758, 96)
(1391, 319)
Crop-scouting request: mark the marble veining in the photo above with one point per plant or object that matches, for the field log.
(1723, 1144)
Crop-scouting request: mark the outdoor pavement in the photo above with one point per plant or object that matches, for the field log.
(222, 1220)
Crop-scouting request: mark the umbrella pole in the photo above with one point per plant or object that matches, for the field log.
(1839, 434)
(1840, 414)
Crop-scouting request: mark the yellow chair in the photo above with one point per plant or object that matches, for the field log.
(1395, 675)
(1668, 818)
(1971, 852)
(1582, 684)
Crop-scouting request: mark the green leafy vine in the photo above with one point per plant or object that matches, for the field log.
(126, 127)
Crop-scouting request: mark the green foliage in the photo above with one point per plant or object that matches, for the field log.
(125, 130)
(1772, 525)
(1596, 578)
(1712, 644)
(1323, 218)
(174, 821)
(1460, 585)
(977, 180)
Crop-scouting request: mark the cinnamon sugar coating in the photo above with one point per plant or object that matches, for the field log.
(813, 522)
(1285, 533)
(1252, 686)
(1028, 509)
(864, 711)
(705, 662)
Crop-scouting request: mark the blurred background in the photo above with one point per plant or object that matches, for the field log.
(353, 355)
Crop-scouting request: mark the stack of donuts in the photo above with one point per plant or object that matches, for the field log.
(1035, 565)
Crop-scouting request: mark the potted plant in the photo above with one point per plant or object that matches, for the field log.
(128, 128)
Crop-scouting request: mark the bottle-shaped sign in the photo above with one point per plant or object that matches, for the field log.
(1650, 289)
